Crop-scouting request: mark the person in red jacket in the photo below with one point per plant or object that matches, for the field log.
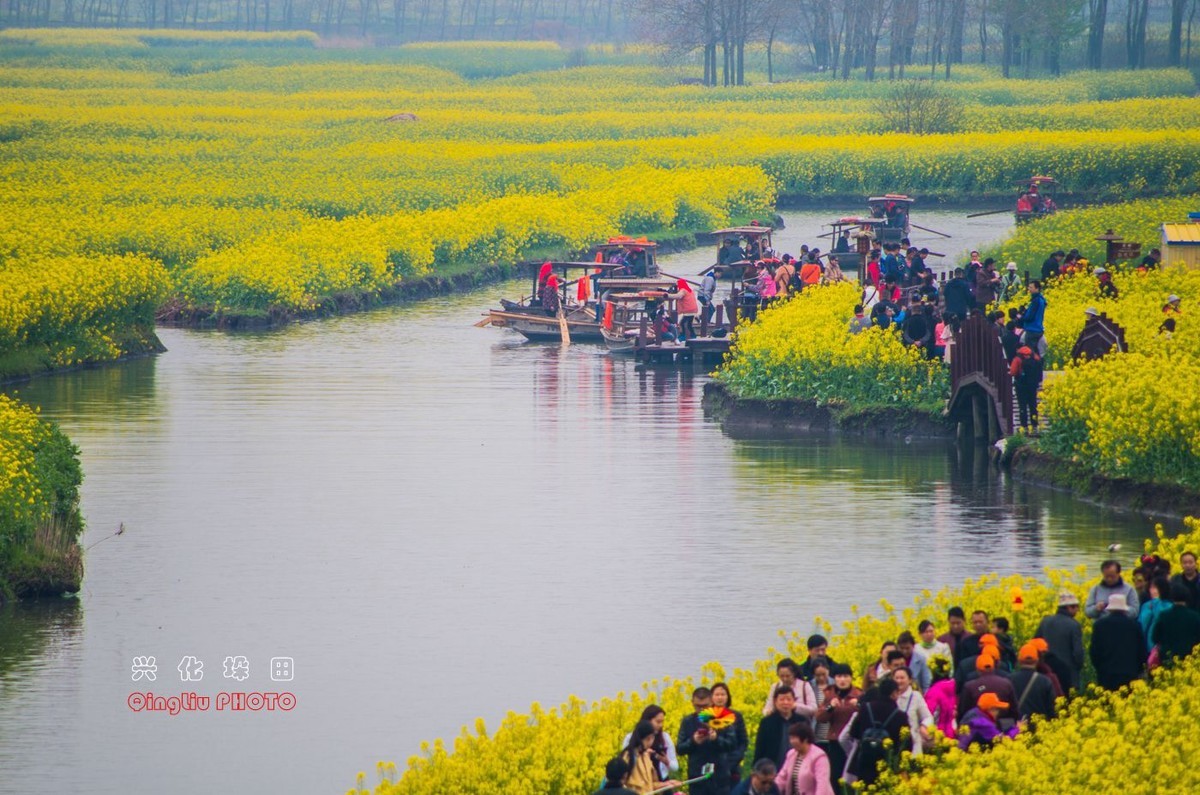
(1026, 370)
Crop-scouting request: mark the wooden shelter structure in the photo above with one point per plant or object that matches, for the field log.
(1101, 335)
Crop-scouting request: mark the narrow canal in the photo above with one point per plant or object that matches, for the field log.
(438, 522)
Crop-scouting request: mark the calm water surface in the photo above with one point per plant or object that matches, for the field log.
(438, 522)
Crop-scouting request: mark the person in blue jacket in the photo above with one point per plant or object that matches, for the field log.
(1033, 320)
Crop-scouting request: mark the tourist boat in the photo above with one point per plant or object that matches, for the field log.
(625, 315)
(619, 263)
(893, 209)
(754, 241)
(1036, 198)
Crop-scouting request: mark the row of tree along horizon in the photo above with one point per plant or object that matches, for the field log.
(845, 37)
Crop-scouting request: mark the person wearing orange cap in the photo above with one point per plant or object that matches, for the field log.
(988, 681)
(981, 725)
(1051, 667)
(1035, 692)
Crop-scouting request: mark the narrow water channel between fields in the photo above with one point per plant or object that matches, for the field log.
(437, 522)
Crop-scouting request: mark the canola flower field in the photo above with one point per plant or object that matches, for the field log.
(39, 489)
(259, 173)
(564, 749)
(802, 349)
(1133, 415)
(1129, 415)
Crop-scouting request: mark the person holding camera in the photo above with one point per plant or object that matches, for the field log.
(638, 756)
(705, 746)
(663, 748)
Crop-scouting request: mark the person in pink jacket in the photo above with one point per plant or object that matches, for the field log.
(941, 698)
(805, 770)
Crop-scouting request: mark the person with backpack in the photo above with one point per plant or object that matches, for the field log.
(1035, 691)
(879, 720)
(1026, 371)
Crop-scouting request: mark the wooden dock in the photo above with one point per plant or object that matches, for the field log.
(699, 351)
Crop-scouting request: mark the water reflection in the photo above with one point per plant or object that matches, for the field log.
(39, 708)
(948, 499)
(427, 514)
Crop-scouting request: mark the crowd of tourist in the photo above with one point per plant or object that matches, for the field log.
(974, 684)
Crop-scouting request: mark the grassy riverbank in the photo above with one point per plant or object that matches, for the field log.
(563, 750)
(40, 521)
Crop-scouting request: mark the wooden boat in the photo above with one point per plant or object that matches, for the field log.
(1036, 199)
(624, 317)
(618, 263)
(755, 244)
(894, 209)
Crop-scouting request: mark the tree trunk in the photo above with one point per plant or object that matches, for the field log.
(1175, 37)
(770, 44)
(958, 29)
(1135, 33)
(1097, 19)
(983, 37)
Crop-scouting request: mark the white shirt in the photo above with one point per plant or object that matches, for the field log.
(913, 705)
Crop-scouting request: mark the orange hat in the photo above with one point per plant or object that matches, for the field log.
(990, 651)
(1040, 644)
(1028, 653)
(991, 701)
(985, 662)
(988, 640)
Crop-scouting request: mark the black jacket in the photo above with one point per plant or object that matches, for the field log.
(1176, 631)
(957, 295)
(772, 740)
(1039, 700)
(715, 752)
(1118, 649)
(885, 714)
(1193, 587)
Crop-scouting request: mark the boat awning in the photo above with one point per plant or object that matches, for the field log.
(899, 198)
(856, 221)
(1181, 234)
(572, 265)
(744, 230)
(625, 284)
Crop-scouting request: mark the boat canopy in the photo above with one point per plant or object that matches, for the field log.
(749, 231)
(565, 266)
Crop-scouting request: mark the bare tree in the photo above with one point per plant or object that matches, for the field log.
(1097, 20)
(920, 107)
(1135, 33)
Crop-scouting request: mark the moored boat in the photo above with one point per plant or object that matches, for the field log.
(619, 263)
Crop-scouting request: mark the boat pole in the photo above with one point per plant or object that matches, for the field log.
(933, 231)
